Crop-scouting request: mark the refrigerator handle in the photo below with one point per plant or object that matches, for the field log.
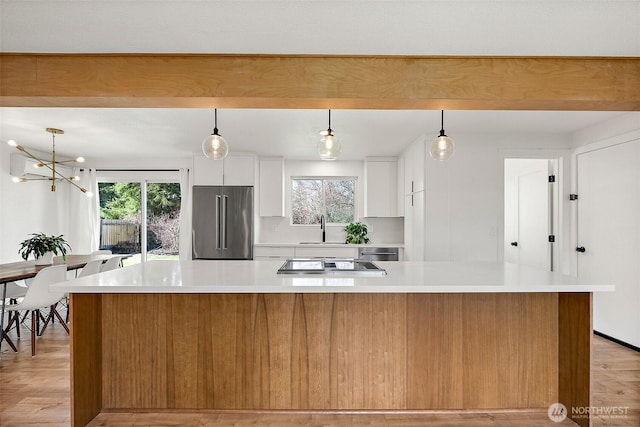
(218, 223)
(224, 221)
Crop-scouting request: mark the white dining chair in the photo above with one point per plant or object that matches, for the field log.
(111, 264)
(14, 292)
(101, 252)
(92, 267)
(38, 296)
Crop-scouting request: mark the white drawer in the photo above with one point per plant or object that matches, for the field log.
(273, 251)
(271, 258)
(326, 252)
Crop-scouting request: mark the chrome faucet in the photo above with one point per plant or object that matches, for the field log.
(323, 227)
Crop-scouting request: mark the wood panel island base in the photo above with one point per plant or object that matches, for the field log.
(324, 350)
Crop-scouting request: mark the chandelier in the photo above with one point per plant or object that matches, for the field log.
(51, 165)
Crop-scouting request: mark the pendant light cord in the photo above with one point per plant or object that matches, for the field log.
(215, 121)
(329, 122)
(442, 123)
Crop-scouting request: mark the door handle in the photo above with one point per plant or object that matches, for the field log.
(224, 221)
(218, 222)
(581, 249)
(514, 243)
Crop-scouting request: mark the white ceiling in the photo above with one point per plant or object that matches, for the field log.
(499, 27)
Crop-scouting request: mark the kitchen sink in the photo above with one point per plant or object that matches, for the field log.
(331, 266)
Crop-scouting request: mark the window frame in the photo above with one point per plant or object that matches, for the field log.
(325, 178)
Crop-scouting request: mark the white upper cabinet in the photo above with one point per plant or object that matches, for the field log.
(414, 162)
(381, 187)
(271, 187)
(235, 169)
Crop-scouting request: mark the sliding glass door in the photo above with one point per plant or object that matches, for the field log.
(139, 217)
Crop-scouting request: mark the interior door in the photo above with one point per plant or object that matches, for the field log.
(609, 231)
(528, 212)
(533, 219)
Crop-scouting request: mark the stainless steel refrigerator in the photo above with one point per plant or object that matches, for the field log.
(222, 223)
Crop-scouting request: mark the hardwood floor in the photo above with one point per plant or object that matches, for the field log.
(35, 392)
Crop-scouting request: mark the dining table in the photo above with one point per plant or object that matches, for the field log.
(10, 272)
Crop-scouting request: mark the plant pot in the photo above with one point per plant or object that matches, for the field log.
(45, 259)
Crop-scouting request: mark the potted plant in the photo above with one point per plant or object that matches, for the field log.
(43, 247)
(356, 233)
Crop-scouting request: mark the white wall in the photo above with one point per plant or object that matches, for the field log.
(32, 207)
(28, 207)
(280, 230)
(464, 196)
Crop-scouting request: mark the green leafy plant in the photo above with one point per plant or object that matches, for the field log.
(356, 233)
(41, 243)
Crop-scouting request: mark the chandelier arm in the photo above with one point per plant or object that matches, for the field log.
(60, 161)
(35, 179)
(52, 169)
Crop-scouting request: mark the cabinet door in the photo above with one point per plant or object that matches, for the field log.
(381, 188)
(407, 160)
(414, 227)
(417, 223)
(207, 171)
(418, 159)
(408, 228)
(239, 170)
(414, 162)
(400, 189)
(271, 187)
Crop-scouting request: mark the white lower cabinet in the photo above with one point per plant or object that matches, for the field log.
(272, 253)
(325, 252)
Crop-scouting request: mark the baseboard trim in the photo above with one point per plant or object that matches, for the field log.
(617, 341)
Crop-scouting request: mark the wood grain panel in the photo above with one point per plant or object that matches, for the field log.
(482, 351)
(331, 351)
(575, 339)
(134, 350)
(309, 81)
(368, 366)
(434, 351)
(85, 345)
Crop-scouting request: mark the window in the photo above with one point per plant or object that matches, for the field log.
(332, 197)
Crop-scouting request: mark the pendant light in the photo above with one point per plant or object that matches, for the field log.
(442, 147)
(328, 146)
(215, 146)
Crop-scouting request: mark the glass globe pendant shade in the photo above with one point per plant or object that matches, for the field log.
(328, 146)
(442, 148)
(215, 147)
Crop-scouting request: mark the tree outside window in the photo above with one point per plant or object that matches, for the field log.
(122, 225)
(332, 197)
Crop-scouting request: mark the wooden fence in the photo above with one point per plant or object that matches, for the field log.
(119, 233)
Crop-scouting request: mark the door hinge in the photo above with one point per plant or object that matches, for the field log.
(552, 238)
(573, 197)
(552, 178)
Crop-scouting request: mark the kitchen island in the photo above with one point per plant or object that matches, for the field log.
(234, 335)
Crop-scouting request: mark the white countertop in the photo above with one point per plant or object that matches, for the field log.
(260, 277)
(330, 244)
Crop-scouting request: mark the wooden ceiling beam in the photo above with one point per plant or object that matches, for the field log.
(311, 81)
